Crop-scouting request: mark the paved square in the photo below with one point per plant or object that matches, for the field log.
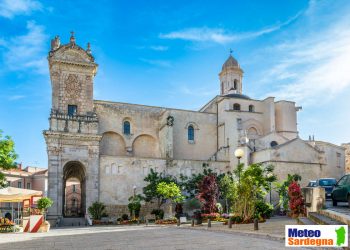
(134, 237)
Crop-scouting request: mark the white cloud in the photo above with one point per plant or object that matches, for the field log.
(11, 8)
(159, 48)
(314, 68)
(27, 52)
(16, 97)
(221, 36)
(158, 63)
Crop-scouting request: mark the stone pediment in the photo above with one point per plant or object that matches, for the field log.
(71, 54)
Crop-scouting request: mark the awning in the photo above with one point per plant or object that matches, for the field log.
(11, 194)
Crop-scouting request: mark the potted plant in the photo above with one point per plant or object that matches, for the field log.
(43, 204)
(96, 210)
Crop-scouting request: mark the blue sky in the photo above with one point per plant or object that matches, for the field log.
(169, 53)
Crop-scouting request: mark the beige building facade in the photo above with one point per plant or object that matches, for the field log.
(109, 147)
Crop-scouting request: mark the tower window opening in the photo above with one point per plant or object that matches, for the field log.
(72, 110)
(236, 107)
(126, 128)
(235, 84)
(251, 108)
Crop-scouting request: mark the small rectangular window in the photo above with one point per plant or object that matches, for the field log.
(28, 185)
(72, 110)
(74, 188)
(338, 159)
(19, 184)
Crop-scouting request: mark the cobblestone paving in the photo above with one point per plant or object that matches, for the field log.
(135, 237)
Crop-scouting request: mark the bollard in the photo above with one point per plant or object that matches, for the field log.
(229, 222)
(192, 223)
(209, 222)
(256, 224)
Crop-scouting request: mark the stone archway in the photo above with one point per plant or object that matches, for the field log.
(74, 189)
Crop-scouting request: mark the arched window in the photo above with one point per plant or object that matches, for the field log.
(273, 144)
(190, 133)
(126, 128)
(235, 84)
(251, 108)
(236, 106)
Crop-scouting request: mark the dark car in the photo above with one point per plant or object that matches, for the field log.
(312, 184)
(327, 184)
(341, 191)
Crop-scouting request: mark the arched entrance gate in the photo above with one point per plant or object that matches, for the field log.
(74, 190)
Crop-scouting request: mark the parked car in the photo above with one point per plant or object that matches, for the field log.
(328, 184)
(341, 191)
(312, 184)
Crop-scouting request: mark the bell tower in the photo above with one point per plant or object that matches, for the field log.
(231, 77)
(72, 139)
(72, 70)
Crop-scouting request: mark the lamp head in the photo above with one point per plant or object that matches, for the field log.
(239, 153)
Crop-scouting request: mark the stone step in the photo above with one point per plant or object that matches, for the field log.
(305, 221)
(337, 215)
(323, 219)
(73, 222)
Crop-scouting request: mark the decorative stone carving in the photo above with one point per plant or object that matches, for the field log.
(55, 43)
(170, 120)
(53, 150)
(73, 86)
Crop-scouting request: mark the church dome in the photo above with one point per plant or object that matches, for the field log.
(230, 62)
(239, 96)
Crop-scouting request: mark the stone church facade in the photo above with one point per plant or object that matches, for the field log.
(110, 146)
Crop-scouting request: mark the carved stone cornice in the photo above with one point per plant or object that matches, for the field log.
(52, 136)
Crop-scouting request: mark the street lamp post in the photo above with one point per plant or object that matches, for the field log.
(269, 176)
(239, 153)
(134, 188)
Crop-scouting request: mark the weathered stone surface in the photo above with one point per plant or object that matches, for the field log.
(112, 161)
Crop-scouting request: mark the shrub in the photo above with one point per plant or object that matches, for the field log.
(296, 200)
(159, 213)
(282, 190)
(263, 209)
(44, 203)
(96, 210)
(125, 217)
(192, 204)
(208, 193)
(236, 219)
(134, 205)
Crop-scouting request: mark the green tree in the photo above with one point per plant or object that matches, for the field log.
(170, 191)
(3, 182)
(43, 204)
(134, 205)
(8, 155)
(253, 183)
(191, 184)
(150, 190)
(227, 190)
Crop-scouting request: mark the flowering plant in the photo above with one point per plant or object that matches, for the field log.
(167, 221)
(296, 200)
(211, 216)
